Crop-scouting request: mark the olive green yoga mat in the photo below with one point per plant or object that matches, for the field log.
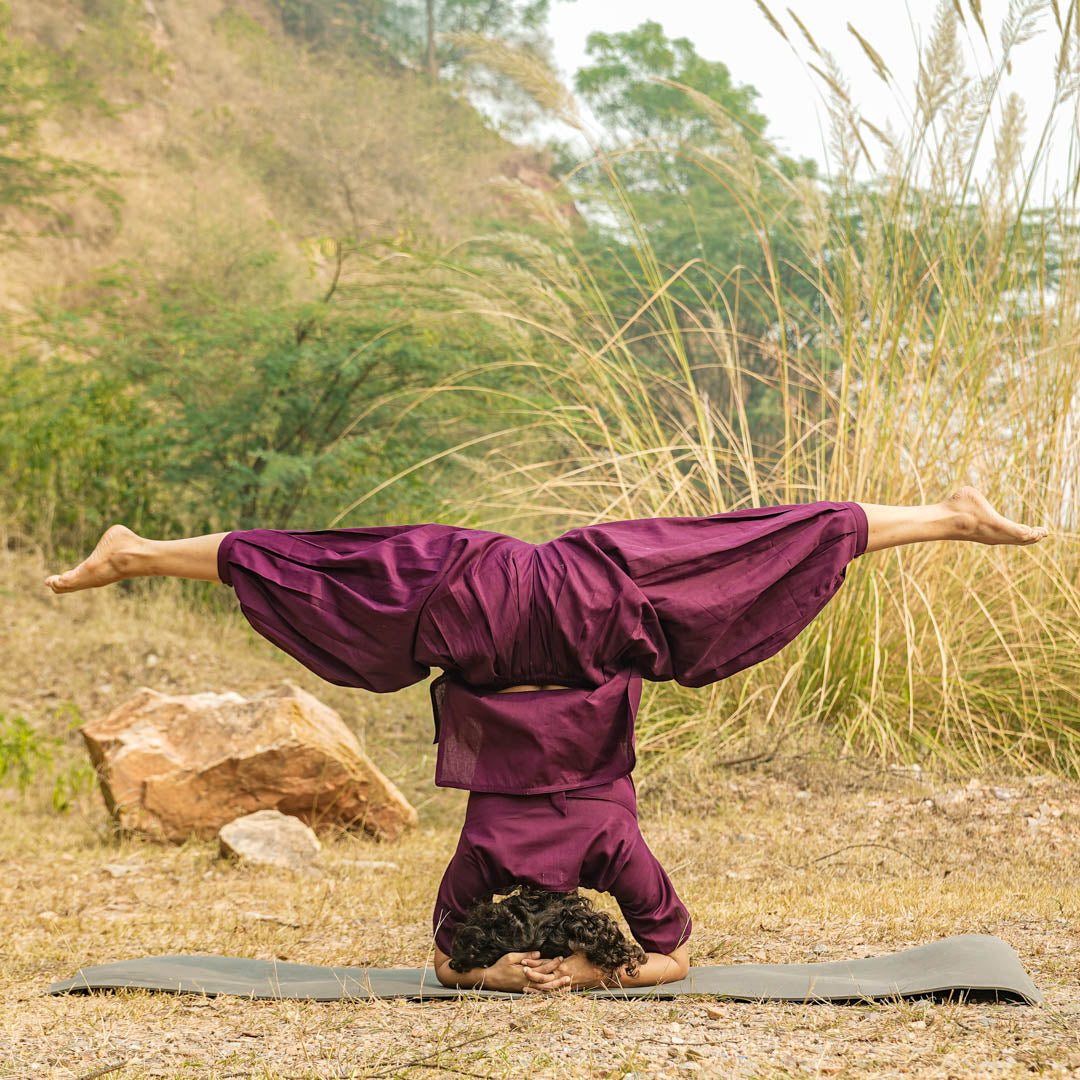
(972, 965)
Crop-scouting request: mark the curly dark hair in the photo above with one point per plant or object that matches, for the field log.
(556, 924)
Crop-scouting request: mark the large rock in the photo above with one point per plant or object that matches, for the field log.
(173, 767)
(269, 838)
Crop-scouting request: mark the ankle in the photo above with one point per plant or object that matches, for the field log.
(956, 524)
(135, 558)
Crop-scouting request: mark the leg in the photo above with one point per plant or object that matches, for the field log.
(965, 515)
(120, 554)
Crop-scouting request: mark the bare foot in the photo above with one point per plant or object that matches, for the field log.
(983, 524)
(112, 560)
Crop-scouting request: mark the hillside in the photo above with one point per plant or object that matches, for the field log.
(229, 140)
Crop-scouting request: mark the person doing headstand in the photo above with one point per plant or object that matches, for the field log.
(542, 649)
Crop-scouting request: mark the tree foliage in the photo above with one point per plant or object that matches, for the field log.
(35, 83)
(704, 185)
(200, 418)
(409, 30)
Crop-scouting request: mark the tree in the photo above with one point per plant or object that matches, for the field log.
(687, 208)
(702, 181)
(34, 84)
(410, 30)
(619, 88)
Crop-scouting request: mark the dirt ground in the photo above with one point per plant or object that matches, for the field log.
(963, 859)
(804, 858)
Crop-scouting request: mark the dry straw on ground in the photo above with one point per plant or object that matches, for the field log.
(797, 860)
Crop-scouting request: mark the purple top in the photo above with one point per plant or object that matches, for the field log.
(694, 599)
(589, 837)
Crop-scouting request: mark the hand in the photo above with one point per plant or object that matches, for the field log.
(542, 975)
(523, 971)
(574, 972)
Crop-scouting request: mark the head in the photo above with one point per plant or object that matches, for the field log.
(556, 924)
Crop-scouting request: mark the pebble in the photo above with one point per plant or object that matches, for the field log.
(820, 948)
(115, 870)
(269, 838)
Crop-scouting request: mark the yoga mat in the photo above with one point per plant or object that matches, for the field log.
(971, 965)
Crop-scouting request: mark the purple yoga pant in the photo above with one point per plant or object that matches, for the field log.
(598, 609)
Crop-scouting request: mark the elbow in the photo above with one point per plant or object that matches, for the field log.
(443, 971)
(680, 958)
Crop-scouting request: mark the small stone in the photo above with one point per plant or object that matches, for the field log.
(919, 1025)
(973, 784)
(742, 958)
(48, 916)
(714, 1013)
(371, 864)
(259, 916)
(105, 689)
(151, 660)
(115, 870)
(820, 948)
(1003, 793)
(270, 838)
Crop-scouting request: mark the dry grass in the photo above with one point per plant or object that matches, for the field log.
(239, 144)
(958, 858)
(73, 897)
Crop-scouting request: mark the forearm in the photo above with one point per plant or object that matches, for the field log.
(463, 980)
(506, 974)
(657, 968)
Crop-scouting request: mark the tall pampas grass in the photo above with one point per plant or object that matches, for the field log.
(940, 348)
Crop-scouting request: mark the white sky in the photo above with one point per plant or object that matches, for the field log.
(736, 33)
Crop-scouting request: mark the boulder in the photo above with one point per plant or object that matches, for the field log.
(173, 767)
(269, 838)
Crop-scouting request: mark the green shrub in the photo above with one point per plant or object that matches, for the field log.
(24, 752)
